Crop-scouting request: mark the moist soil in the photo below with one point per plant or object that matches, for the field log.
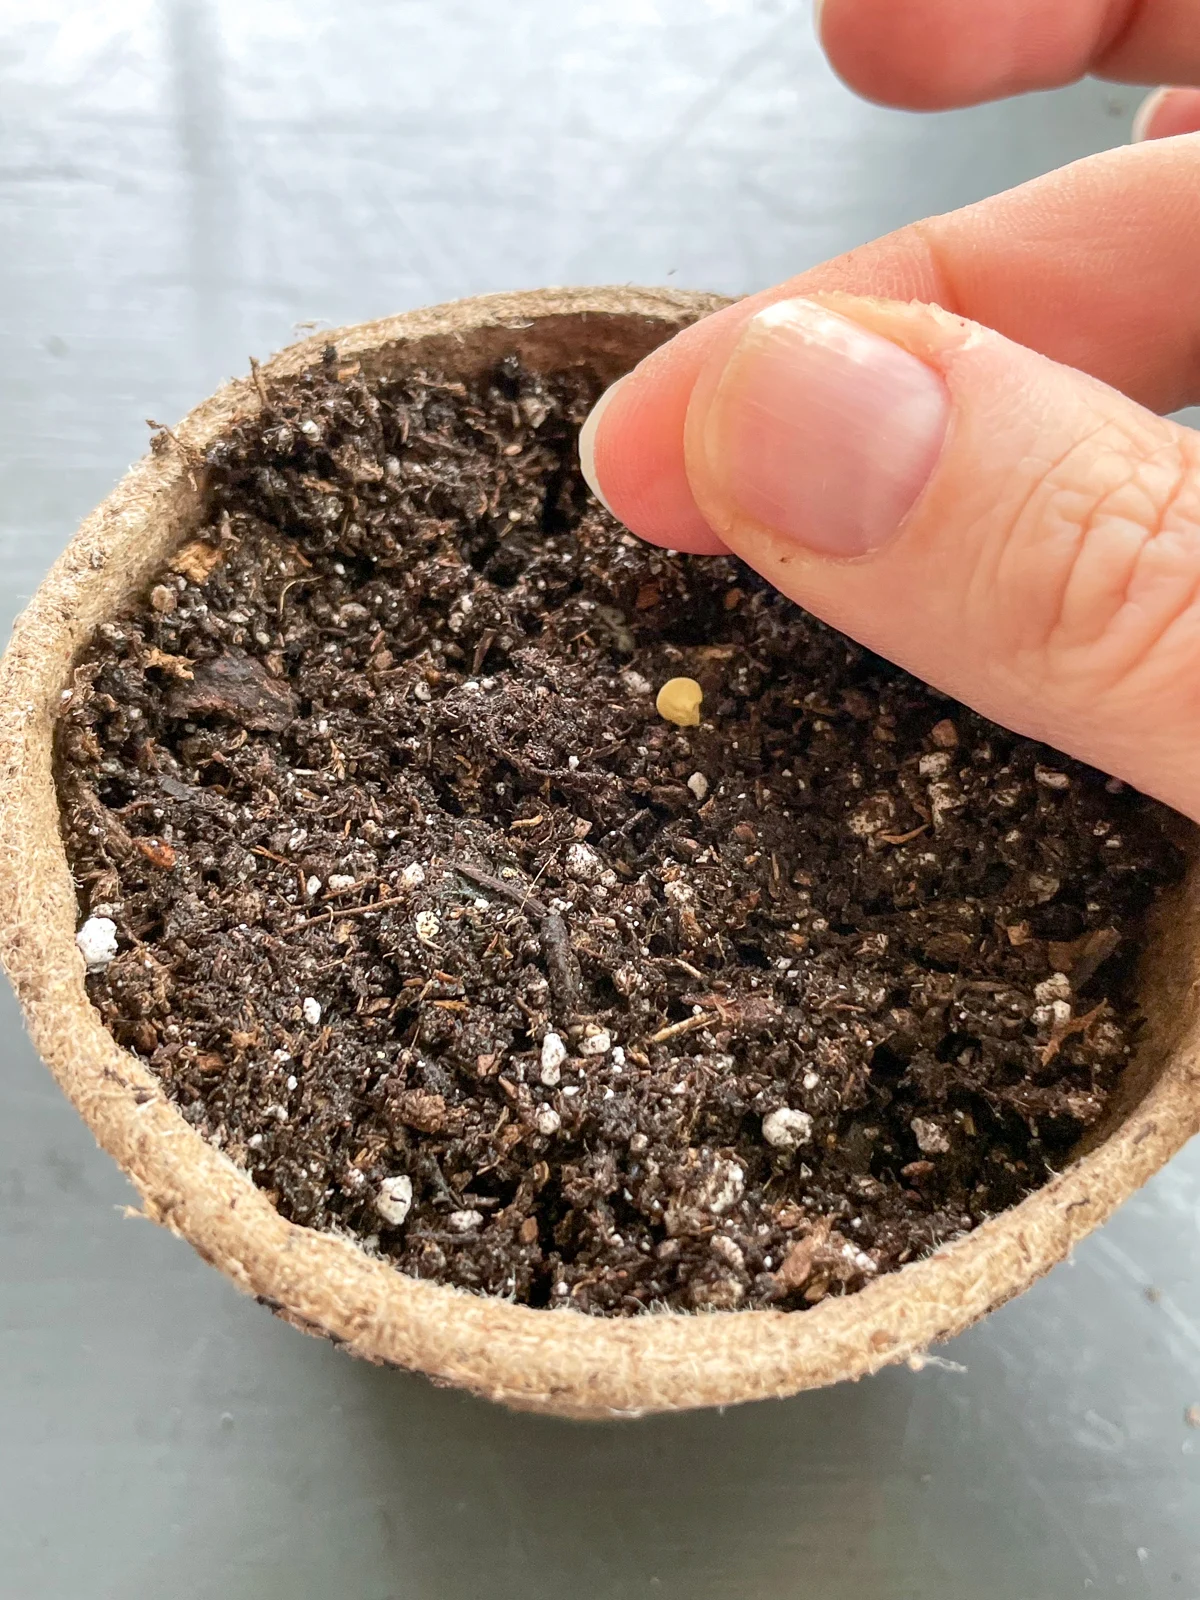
(417, 894)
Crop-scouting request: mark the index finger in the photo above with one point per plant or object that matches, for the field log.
(927, 55)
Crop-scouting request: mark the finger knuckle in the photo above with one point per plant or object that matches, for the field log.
(1107, 553)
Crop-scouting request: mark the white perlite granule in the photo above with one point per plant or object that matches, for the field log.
(931, 1140)
(394, 1200)
(584, 863)
(97, 942)
(723, 1188)
(312, 1011)
(554, 1053)
(787, 1129)
(728, 1250)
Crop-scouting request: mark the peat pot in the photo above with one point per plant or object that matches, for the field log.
(558, 1362)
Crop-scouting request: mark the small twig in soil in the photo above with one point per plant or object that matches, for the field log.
(1076, 1025)
(256, 374)
(283, 593)
(565, 777)
(686, 966)
(350, 911)
(261, 850)
(689, 1025)
(336, 894)
(520, 897)
(545, 864)
(561, 967)
(486, 640)
(904, 838)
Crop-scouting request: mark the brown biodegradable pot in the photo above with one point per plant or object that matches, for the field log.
(552, 1361)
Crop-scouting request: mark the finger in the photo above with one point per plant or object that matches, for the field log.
(930, 54)
(631, 446)
(1014, 532)
(1167, 113)
(1093, 265)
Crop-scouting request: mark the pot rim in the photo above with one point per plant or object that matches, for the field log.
(556, 1361)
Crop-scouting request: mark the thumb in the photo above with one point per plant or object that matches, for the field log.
(1012, 531)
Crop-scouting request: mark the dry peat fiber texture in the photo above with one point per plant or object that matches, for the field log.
(559, 1362)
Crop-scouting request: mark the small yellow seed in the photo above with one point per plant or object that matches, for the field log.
(679, 701)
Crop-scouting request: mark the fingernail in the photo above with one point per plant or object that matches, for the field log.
(822, 431)
(1145, 115)
(1167, 114)
(587, 443)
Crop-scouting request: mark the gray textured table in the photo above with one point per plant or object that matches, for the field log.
(181, 183)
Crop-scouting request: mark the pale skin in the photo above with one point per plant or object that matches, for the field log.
(948, 443)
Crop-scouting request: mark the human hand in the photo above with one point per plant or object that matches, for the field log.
(927, 55)
(926, 471)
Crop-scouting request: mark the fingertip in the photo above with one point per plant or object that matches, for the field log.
(1145, 115)
(881, 51)
(1165, 114)
(587, 444)
(931, 55)
(631, 455)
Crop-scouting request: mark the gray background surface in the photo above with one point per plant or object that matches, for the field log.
(181, 183)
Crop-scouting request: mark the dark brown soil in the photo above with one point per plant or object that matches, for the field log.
(375, 791)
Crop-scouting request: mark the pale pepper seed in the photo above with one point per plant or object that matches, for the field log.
(679, 701)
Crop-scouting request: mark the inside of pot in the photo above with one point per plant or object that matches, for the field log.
(393, 872)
